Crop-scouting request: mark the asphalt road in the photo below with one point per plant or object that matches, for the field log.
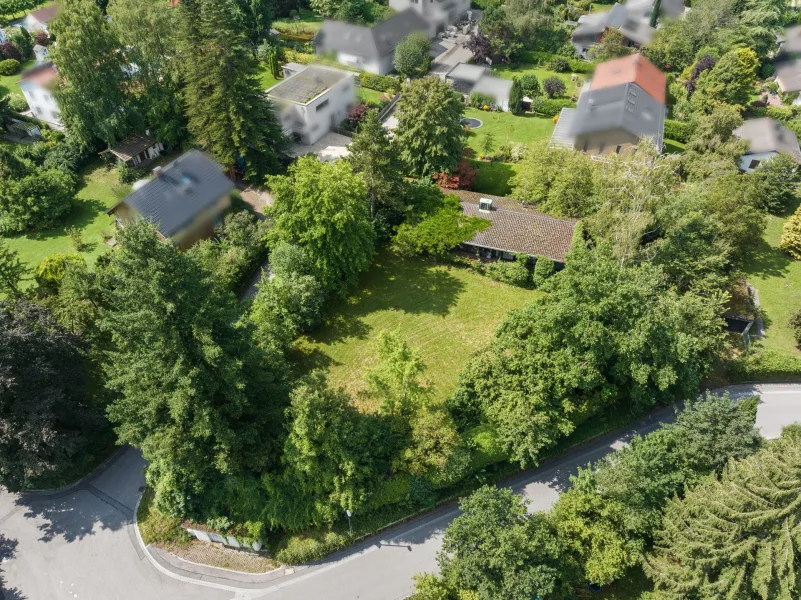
(81, 544)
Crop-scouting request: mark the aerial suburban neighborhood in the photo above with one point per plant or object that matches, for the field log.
(400, 299)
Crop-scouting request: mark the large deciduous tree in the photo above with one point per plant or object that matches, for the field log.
(430, 137)
(45, 415)
(193, 393)
(227, 110)
(322, 208)
(93, 86)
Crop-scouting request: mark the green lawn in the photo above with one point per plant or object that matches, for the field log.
(8, 83)
(266, 77)
(446, 312)
(778, 278)
(673, 147)
(512, 71)
(368, 96)
(506, 127)
(493, 178)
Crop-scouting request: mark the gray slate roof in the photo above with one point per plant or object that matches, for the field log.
(626, 106)
(306, 85)
(767, 135)
(133, 145)
(788, 74)
(186, 187)
(369, 42)
(618, 17)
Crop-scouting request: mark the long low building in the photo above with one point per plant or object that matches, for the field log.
(516, 228)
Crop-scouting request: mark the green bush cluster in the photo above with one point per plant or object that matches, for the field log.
(479, 100)
(513, 273)
(677, 130)
(9, 66)
(765, 365)
(546, 58)
(551, 106)
(305, 549)
(783, 113)
(543, 269)
(382, 83)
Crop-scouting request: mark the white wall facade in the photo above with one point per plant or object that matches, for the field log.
(380, 66)
(32, 24)
(747, 159)
(43, 105)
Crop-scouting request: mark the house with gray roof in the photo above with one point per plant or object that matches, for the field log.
(788, 77)
(437, 13)
(469, 79)
(370, 49)
(766, 138)
(183, 200)
(313, 101)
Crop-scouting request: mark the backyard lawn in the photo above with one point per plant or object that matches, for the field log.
(777, 277)
(506, 127)
(512, 71)
(446, 312)
(266, 77)
(8, 83)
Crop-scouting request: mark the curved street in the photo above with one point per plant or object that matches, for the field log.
(81, 543)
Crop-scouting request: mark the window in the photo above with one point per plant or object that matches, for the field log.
(753, 164)
(47, 97)
(36, 110)
(617, 150)
(33, 94)
(322, 105)
(586, 145)
(601, 148)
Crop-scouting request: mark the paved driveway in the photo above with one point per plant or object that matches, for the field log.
(81, 544)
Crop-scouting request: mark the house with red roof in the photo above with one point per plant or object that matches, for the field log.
(37, 87)
(621, 105)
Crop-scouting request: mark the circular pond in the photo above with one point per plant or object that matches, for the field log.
(473, 123)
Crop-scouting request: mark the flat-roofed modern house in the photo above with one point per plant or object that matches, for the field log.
(37, 84)
(516, 228)
(136, 150)
(370, 49)
(766, 138)
(437, 13)
(184, 200)
(622, 104)
(313, 101)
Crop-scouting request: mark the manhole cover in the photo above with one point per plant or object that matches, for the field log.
(473, 123)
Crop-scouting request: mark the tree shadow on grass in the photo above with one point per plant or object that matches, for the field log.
(493, 178)
(767, 261)
(82, 214)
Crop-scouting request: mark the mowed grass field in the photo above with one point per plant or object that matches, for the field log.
(446, 312)
(777, 277)
(8, 83)
(506, 127)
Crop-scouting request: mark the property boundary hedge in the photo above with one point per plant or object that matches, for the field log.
(551, 106)
(677, 130)
(765, 365)
(576, 66)
(382, 83)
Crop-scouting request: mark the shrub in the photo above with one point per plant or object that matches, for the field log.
(463, 177)
(478, 100)
(9, 50)
(9, 66)
(515, 152)
(487, 448)
(302, 58)
(677, 130)
(790, 241)
(51, 270)
(795, 325)
(126, 174)
(42, 38)
(543, 269)
(530, 85)
(553, 86)
(513, 273)
(76, 239)
(293, 14)
(551, 107)
(780, 113)
(546, 58)
(382, 83)
(765, 365)
(22, 41)
(766, 70)
(18, 104)
(559, 64)
(356, 114)
(303, 548)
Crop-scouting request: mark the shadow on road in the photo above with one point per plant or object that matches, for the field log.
(8, 549)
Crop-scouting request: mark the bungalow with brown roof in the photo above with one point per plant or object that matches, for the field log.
(136, 150)
(516, 228)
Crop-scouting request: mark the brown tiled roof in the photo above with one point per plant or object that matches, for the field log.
(631, 69)
(133, 145)
(40, 74)
(517, 227)
(46, 14)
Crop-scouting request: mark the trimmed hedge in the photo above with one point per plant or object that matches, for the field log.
(765, 365)
(382, 83)
(782, 113)
(487, 449)
(677, 130)
(9, 67)
(551, 106)
(545, 58)
(302, 58)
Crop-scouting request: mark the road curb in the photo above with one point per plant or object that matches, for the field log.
(103, 466)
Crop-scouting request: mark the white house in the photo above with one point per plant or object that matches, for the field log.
(437, 13)
(313, 101)
(370, 49)
(39, 20)
(766, 138)
(36, 84)
(41, 53)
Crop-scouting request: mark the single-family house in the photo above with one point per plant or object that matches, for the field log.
(3, 36)
(790, 41)
(636, 30)
(183, 200)
(39, 20)
(788, 77)
(135, 150)
(313, 101)
(437, 13)
(623, 103)
(41, 53)
(37, 84)
(516, 228)
(469, 79)
(766, 138)
(370, 49)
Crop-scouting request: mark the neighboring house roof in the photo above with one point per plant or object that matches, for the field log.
(186, 187)
(467, 73)
(766, 135)
(46, 14)
(41, 74)
(627, 18)
(672, 8)
(625, 106)
(792, 39)
(788, 75)
(637, 31)
(594, 24)
(132, 146)
(369, 42)
(293, 66)
(561, 136)
(493, 86)
(518, 228)
(631, 69)
(308, 84)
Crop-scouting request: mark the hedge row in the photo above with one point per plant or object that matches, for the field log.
(382, 83)
(677, 130)
(302, 58)
(543, 58)
(783, 113)
(765, 365)
(551, 106)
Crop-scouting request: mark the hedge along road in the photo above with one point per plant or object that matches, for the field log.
(81, 543)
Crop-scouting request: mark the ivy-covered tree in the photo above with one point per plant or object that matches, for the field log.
(322, 209)
(227, 111)
(429, 136)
